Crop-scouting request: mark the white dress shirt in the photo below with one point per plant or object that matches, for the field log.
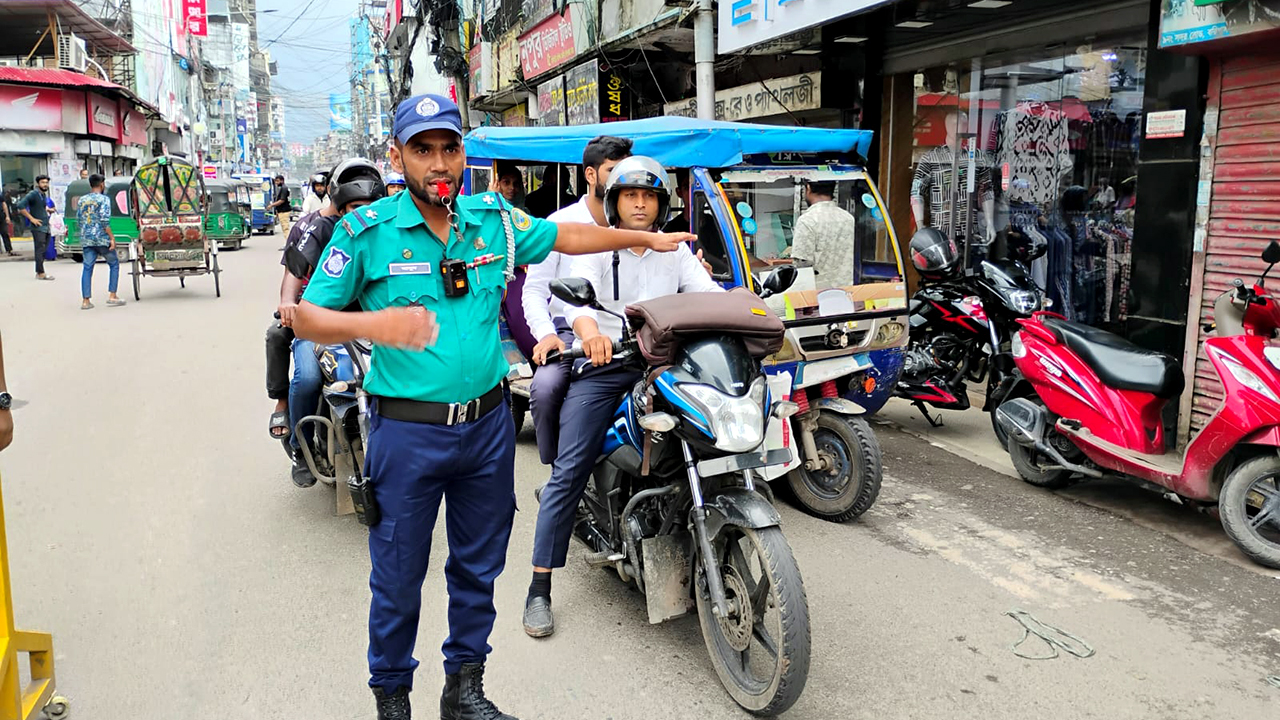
(540, 307)
(314, 203)
(640, 277)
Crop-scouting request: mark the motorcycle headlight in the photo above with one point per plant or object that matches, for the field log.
(736, 422)
(1023, 302)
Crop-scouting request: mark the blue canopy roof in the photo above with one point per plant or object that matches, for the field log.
(672, 141)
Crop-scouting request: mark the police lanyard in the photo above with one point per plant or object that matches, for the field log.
(616, 259)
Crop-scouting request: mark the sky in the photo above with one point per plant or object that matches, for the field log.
(310, 42)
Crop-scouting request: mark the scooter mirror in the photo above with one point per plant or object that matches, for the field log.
(574, 291)
(779, 280)
(1271, 255)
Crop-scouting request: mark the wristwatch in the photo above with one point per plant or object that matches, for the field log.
(6, 400)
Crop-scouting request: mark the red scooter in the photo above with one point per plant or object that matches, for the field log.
(1098, 402)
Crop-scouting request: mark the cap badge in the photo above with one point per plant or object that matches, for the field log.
(428, 107)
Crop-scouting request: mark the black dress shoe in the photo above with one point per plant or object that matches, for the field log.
(539, 622)
(394, 706)
(463, 697)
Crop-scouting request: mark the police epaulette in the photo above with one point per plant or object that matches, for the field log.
(365, 218)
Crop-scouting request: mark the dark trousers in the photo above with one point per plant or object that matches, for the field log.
(584, 419)
(546, 397)
(279, 350)
(412, 467)
(4, 237)
(41, 240)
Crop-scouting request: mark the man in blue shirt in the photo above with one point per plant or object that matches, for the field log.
(430, 268)
(93, 215)
(33, 207)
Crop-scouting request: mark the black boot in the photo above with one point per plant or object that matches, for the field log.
(394, 706)
(463, 697)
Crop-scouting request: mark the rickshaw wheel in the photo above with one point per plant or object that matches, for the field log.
(137, 285)
(217, 282)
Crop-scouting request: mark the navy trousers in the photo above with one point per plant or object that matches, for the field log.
(412, 467)
(584, 420)
(546, 397)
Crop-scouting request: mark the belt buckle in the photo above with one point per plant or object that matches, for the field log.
(463, 412)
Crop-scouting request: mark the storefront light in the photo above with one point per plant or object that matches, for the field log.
(990, 4)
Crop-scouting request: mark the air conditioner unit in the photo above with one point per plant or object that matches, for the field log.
(72, 54)
(10, 62)
(215, 136)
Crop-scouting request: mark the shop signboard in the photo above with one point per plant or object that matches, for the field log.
(517, 116)
(133, 125)
(744, 23)
(103, 116)
(582, 94)
(534, 11)
(1181, 23)
(210, 172)
(615, 97)
(547, 46)
(508, 60)
(551, 110)
(769, 97)
(30, 108)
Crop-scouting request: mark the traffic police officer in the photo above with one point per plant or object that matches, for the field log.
(436, 374)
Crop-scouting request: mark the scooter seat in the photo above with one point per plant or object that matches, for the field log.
(1119, 363)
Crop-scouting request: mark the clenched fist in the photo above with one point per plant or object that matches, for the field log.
(407, 328)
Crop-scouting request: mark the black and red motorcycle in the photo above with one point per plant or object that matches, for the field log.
(961, 322)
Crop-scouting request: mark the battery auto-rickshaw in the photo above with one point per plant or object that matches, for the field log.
(742, 187)
(224, 223)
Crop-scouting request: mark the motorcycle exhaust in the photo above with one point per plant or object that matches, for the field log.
(1027, 425)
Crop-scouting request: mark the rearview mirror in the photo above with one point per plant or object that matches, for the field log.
(1271, 255)
(574, 291)
(779, 280)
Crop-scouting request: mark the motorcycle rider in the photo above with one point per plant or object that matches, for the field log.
(637, 196)
(545, 314)
(318, 198)
(395, 183)
(354, 183)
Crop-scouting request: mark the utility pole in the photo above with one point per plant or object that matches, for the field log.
(704, 56)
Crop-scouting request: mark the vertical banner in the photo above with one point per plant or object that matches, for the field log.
(339, 111)
(195, 14)
(615, 97)
(581, 94)
(240, 54)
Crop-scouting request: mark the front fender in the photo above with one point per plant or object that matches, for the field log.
(840, 406)
(739, 507)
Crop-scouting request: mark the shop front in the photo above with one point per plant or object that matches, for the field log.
(1238, 203)
(1051, 147)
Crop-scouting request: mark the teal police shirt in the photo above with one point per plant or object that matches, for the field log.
(384, 255)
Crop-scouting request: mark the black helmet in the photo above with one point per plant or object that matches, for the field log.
(933, 254)
(355, 179)
(640, 172)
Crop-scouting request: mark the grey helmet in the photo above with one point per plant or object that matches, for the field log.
(355, 179)
(640, 172)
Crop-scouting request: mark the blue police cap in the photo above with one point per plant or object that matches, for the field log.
(426, 112)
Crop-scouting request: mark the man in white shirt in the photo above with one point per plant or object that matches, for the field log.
(637, 197)
(318, 198)
(544, 313)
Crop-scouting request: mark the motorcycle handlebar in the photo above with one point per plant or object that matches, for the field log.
(577, 353)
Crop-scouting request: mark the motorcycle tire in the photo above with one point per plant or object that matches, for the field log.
(1027, 461)
(1241, 486)
(853, 486)
(782, 601)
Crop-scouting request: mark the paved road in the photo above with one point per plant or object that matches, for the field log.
(153, 529)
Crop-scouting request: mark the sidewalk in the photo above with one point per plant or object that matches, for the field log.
(968, 434)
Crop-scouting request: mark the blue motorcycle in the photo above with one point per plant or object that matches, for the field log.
(333, 437)
(675, 503)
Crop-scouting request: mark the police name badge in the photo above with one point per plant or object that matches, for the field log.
(521, 219)
(409, 269)
(336, 263)
(427, 107)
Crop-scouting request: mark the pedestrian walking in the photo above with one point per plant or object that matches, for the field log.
(93, 213)
(34, 208)
(6, 400)
(280, 204)
(438, 426)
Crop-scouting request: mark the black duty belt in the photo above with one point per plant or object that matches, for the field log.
(433, 413)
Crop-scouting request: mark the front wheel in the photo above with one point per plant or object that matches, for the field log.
(1250, 509)
(217, 278)
(136, 271)
(760, 650)
(850, 484)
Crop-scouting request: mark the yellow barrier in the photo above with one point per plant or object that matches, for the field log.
(17, 702)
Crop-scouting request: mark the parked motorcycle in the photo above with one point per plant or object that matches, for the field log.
(673, 503)
(960, 323)
(1099, 399)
